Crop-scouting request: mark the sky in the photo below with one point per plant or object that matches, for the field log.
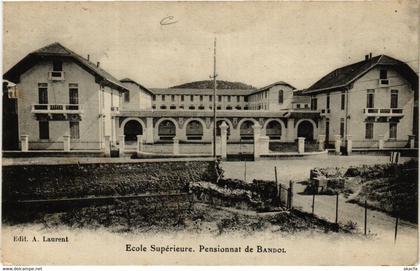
(258, 43)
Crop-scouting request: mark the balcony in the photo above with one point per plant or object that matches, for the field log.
(56, 75)
(56, 109)
(383, 112)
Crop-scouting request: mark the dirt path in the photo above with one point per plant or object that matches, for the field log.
(298, 169)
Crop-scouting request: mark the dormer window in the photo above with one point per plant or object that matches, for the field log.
(57, 66)
(383, 74)
(57, 73)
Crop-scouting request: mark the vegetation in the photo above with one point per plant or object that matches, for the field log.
(208, 84)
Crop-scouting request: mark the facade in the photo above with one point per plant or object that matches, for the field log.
(367, 101)
(62, 95)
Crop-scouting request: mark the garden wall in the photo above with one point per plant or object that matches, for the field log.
(22, 182)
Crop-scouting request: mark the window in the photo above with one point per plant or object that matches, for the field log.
(369, 130)
(201, 98)
(228, 107)
(163, 97)
(210, 98)
(181, 107)
(238, 99)
(154, 97)
(57, 66)
(201, 107)
(306, 105)
(192, 107)
(74, 130)
(127, 96)
(43, 93)
(343, 101)
(172, 107)
(182, 98)
(328, 101)
(383, 74)
(191, 98)
(219, 98)
(392, 130)
(342, 127)
(163, 107)
(314, 104)
(280, 96)
(246, 99)
(172, 98)
(153, 106)
(297, 105)
(73, 94)
(44, 130)
(266, 94)
(219, 107)
(394, 98)
(370, 101)
(228, 97)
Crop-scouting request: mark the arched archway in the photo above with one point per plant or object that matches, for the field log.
(273, 129)
(194, 130)
(306, 129)
(245, 130)
(166, 130)
(132, 129)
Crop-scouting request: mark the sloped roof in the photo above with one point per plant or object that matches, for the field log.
(57, 50)
(129, 80)
(346, 75)
(195, 91)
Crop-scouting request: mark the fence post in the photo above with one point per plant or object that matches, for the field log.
(122, 144)
(411, 139)
(365, 216)
(257, 133)
(223, 140)
(301, 144)
(349, 145)
(321, 142)
(337, 144)
(139, 143)
(396, 230)
(176, 146)
(336, 210)
(381, 142)
(290, 195)
(107, 146)
(66, 143)
(313, 203)
(277, 187)
(24, 143)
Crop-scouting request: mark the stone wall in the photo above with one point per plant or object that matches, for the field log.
(84, 180)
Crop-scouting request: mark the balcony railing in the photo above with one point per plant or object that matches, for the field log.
(56, 75)
(325, 112)
(384, 112)
(56, 109)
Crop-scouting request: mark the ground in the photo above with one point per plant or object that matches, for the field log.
(297, 170)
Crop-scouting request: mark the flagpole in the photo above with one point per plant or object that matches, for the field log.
(214, 101)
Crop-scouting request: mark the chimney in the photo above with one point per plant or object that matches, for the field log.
(370, 55)
(97, 64)
(88, 58)
(366, 57)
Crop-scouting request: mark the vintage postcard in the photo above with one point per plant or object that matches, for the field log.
(210, 133)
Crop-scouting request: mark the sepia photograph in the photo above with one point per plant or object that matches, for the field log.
(279, 133)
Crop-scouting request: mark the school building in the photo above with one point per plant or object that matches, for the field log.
(66, 102)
